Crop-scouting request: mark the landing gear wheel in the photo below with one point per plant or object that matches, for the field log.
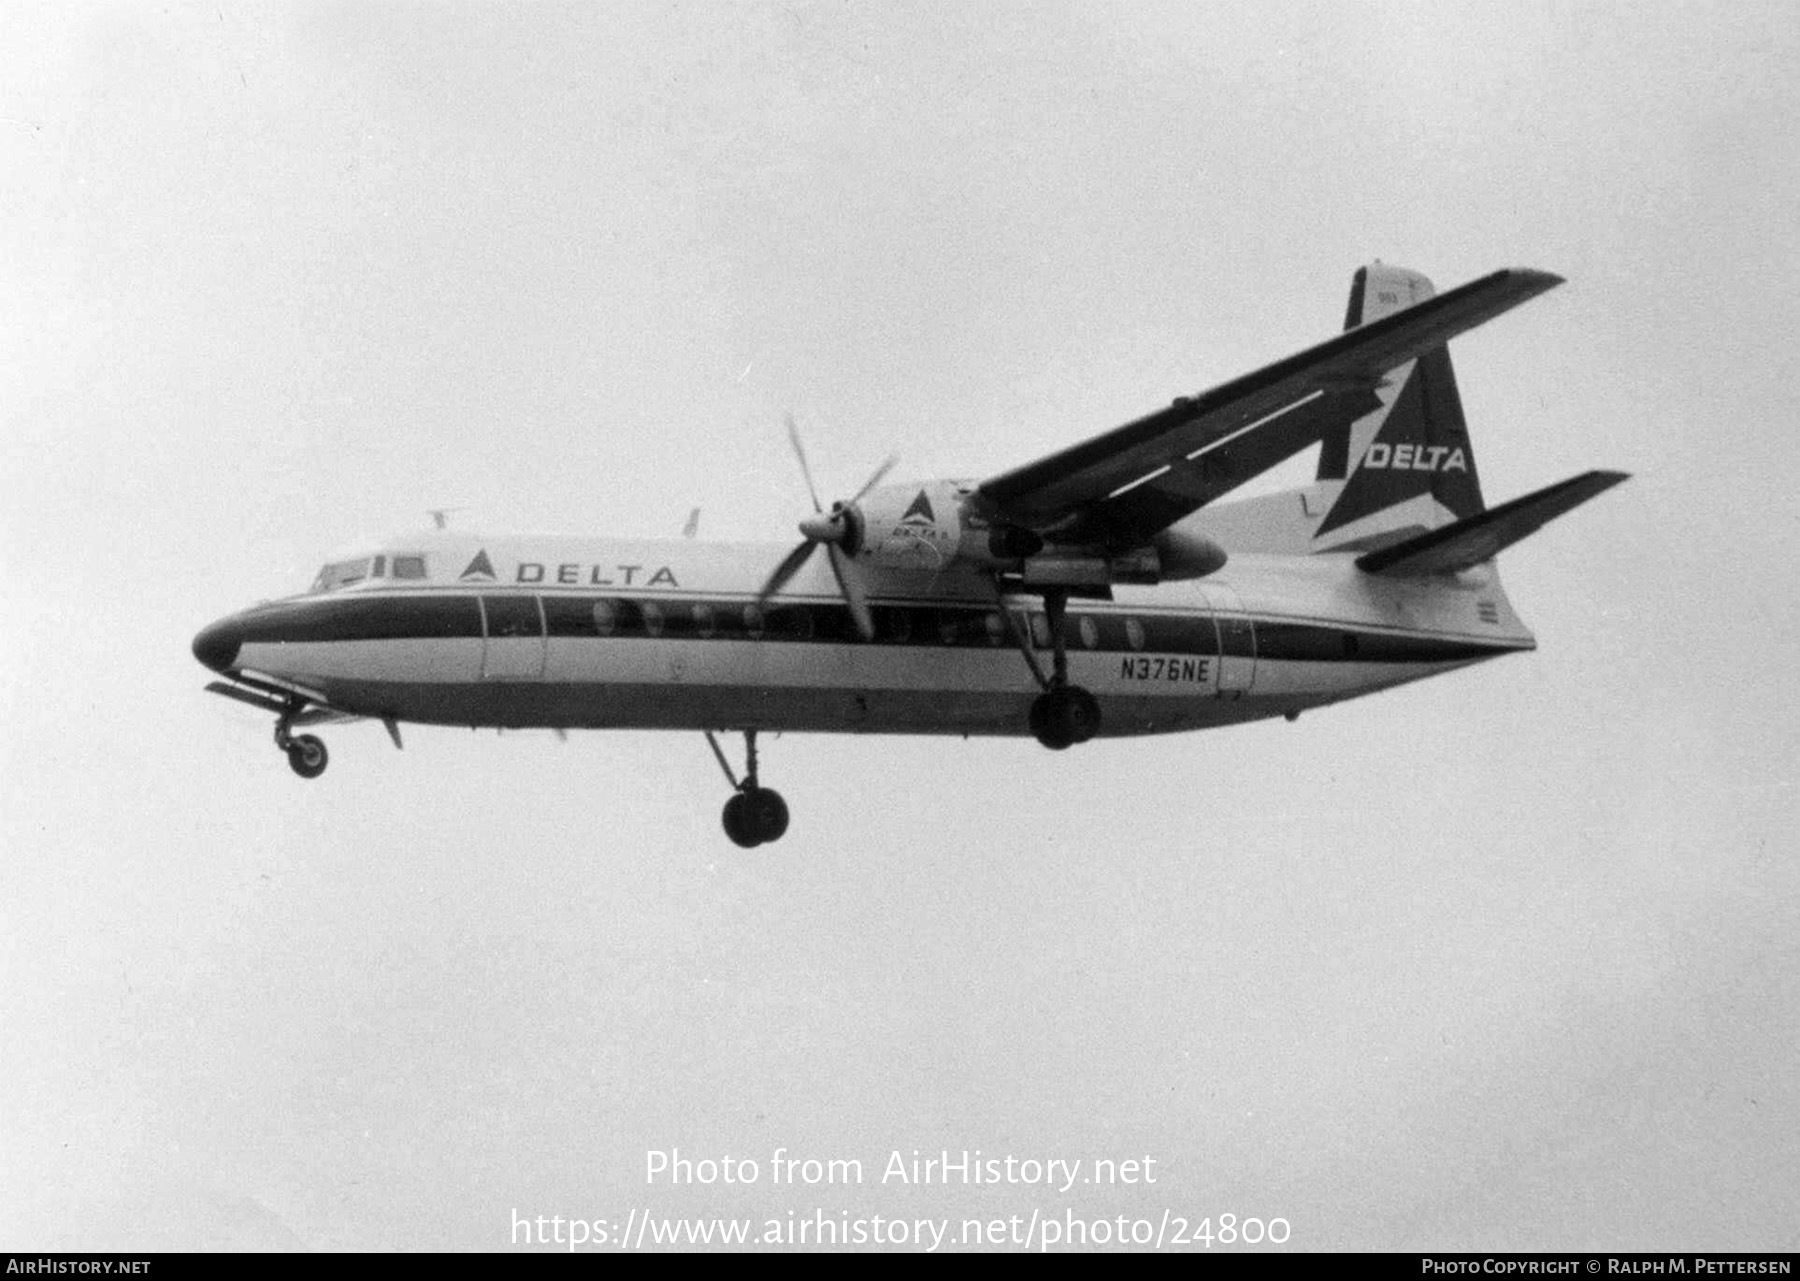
(755, 815)
(740, 822)
(1062, 717)
(768, 814)
(307, 755)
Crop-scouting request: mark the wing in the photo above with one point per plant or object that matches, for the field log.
(1120, 488)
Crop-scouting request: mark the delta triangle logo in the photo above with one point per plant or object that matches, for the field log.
(919, 512)
(480, 567)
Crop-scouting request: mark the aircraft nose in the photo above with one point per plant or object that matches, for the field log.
(217, 644)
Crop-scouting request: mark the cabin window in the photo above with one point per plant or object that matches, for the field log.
(753, 622)
(380, 569)
(703, 620)
(409, 567)
(1089, 631)
(1134, 633)
(1040, 631)
(995, 627)
(652, 615)
(606, 617)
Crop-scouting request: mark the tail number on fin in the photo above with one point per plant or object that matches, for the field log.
(1412, 457)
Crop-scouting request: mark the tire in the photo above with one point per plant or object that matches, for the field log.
(1044, 724)
(1064, 717)
(1081, 716)
(739, 822)
(768, 814)
(307, 755)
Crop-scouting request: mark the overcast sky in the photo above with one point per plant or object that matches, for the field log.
(1506, 959)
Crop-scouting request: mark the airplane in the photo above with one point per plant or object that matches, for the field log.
(1102, 590)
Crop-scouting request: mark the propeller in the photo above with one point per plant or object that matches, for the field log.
(839, 531)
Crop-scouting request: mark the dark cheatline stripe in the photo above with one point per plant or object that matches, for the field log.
(352, 618)
(1313, 643)
(435, 617)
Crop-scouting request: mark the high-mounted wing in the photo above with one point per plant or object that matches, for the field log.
(1120, 488)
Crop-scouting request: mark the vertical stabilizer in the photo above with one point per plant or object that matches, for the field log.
(1407, 466)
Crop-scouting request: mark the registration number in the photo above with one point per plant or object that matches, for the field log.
(1159, 668)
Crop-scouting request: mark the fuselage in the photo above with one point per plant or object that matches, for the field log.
(571, 633)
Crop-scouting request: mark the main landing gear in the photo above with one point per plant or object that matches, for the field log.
(305, 752)
(1064, 714)
(755, 815)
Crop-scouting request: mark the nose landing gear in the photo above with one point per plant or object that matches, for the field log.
(305, 752)
(755, 815)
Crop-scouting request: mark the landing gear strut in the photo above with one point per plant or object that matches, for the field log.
(755, 815)
(1063, 714)
(305, 753)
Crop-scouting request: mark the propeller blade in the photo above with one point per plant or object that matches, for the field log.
(875, 480)
(850, 580)
(790, 565)
(800, 453)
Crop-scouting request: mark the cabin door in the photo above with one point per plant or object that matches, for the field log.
(514, 649)
(1237, 640)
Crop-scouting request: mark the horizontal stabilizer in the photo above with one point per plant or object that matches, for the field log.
(1481, 537)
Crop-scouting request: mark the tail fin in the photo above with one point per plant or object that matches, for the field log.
(1406, 467)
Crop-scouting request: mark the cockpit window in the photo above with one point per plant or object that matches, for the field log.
(341, 574)
(409, 567)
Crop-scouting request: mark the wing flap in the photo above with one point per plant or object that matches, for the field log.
(1474, 539)
(1242, 428)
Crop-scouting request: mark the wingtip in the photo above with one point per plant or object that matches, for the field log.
(1540, 280)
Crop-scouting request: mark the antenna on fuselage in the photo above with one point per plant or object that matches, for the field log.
(693, 524)
(440, 516)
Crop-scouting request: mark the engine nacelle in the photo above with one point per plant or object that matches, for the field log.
(1185, 554)
(923, 528)
(913, 527)
(1059, 569)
